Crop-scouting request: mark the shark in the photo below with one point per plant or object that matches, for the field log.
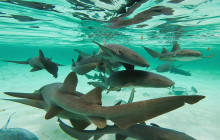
(138, 131)
(177, 54)
(121, 54)
(137, 78)
(40, 62)
(60, 97)
(85, 63)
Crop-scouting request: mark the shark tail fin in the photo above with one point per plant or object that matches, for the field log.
(6, 125)
(145, 110)
(33, 103)
(81, 135)
(35, 96)
(17, 62)
(153, 53)
(50, 66)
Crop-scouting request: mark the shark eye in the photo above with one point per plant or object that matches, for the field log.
(119, 52)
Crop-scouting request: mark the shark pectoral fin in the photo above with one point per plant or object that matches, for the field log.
(120, 137)
(100, 122)
(50, 66)
(33, 103)
(35, 69)
(80, 135)
(128, 66)
(153, 53)
(70, 83)
(176, 47)
(80, 124)
(52, 112)
(35, 96)
(93, 97)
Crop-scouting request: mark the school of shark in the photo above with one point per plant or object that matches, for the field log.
(82, 109)
(116, 67)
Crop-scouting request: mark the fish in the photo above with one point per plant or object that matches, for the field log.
(177, 54)
(63, 96)
(40, 62)
(182, 91)
(121, 54)
(179, 71)
(165, 67)
(15, 133)
(137, 78)
(137, 131)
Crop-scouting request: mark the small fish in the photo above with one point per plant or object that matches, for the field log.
(208, 49)
(142, 36)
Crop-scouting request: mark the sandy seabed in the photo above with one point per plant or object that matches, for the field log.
(201, 120)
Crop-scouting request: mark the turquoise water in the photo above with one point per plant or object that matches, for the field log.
(58, 27)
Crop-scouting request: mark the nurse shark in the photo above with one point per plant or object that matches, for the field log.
(121, 54)
(176, 54)
(40, 62)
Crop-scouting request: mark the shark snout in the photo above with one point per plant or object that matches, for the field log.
(171, 83)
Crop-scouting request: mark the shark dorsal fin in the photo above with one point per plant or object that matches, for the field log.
(73, 63)
(176, 47)
(164, 51)
(41, 54)
(94, 96)
(70, 83)
(80, 57)
(6, 125)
